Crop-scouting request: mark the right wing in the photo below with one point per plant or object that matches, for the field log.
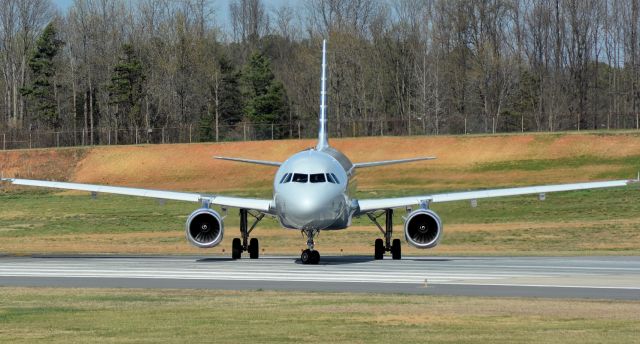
(389, 162)
(249, 161)
(262, 205)
(368, 205)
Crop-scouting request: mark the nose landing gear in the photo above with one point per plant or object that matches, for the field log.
(310, 256)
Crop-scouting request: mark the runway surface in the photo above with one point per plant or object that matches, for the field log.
(566, 277)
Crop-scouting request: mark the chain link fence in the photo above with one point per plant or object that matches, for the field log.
(246, 131)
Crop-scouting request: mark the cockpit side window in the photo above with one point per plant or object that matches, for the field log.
(330, 179)
(285, 177)
(288, 179)
(317, 178)
(335, 178)
(300, 178)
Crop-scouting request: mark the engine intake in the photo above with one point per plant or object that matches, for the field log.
(423, 228)
(204, 228)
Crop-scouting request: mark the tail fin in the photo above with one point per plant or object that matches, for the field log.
(323, 139)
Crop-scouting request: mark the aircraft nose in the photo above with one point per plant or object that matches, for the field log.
(309, 210)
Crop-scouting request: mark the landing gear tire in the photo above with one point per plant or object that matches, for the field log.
(396, 249)
(379, 249)
(316, 257)
(254, 248)
(310, 257)
(236, 248)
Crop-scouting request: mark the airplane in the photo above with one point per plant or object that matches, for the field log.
(313, 191)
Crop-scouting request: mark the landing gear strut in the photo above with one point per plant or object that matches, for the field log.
(387, 245)
(241, 245)
(310, 256)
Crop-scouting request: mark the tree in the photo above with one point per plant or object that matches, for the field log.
(226, 99)
(266, 99)
(126, 87)
(43, 87)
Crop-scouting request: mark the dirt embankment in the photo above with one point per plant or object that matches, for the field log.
(191, 166)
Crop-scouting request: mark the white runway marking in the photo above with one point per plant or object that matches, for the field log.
(487, 271)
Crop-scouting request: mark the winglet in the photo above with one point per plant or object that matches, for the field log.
(3, 179)
(635, 181)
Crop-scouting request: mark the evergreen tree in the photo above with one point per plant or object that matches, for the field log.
(126, 88)
(266, 99)
(226, 101)
(43, 70)
(229, 97)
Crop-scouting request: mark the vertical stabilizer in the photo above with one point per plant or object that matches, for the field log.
(323, 140)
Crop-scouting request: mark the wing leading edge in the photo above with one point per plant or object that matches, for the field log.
(262, 205)
(249, 161)
(367, 205)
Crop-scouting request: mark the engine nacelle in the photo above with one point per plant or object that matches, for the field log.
(423, 228)
(204, 228)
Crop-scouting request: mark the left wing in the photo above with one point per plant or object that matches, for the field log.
(367, 205)
(262, 205)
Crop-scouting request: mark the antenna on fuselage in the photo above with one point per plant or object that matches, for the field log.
(323, 140)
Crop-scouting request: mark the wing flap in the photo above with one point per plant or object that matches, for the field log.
(367, 205)
(262, 205)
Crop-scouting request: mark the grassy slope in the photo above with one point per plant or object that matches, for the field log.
(589, 222)
(188, 316)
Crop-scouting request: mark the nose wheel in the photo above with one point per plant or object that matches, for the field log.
(310, 256)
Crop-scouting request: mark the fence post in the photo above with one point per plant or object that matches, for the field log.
(4, 141)
(244, 131)
(189, 133)
(109, 136)
(353, 124)
(271, 131)
(163, 135)
(136, 129)
(493, 124)
(29, 139)
(299, 135)
(58, 139)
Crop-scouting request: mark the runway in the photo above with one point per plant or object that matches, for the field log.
(565, 277)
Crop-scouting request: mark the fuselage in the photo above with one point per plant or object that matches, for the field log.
(312, 190)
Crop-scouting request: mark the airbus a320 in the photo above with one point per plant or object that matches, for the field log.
(313, 191)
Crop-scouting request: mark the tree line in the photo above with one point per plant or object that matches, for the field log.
(446, 66)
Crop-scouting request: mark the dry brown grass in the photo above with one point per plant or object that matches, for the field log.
(191, 167)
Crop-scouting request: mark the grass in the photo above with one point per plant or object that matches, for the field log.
(191, 316)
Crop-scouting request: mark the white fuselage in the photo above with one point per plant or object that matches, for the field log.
(311, 190)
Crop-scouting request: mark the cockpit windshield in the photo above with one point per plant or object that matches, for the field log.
(312, 178)
(300, 178)
(317, 178)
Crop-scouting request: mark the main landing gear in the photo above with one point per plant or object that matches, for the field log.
(387, 245)
(310, 256)
(239, 245)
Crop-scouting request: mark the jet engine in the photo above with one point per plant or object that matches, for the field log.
(423, 228)
(204, 228)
